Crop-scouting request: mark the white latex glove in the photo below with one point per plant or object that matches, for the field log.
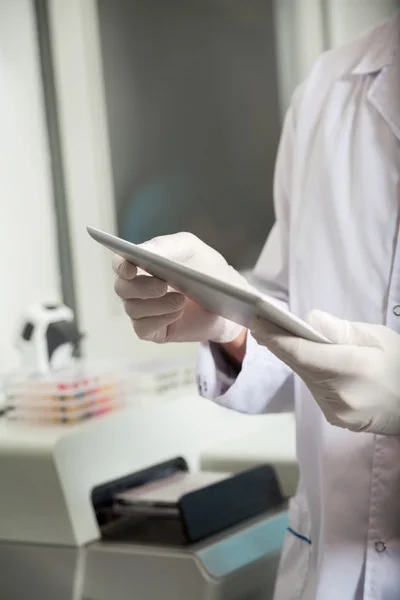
(161, 315)
(355, 380)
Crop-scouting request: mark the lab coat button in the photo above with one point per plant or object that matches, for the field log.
(380, 546)
(396, 310)
(201, 386)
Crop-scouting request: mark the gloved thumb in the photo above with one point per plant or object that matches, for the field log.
(181, 247)
(336, 330)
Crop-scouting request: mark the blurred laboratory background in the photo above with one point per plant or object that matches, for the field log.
(143, 117)
(193, 114)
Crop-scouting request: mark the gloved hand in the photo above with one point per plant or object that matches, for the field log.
(161, 315)
(355, 380)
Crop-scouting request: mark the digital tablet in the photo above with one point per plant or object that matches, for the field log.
(232, 302)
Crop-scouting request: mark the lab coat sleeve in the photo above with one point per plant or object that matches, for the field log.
(264, 384)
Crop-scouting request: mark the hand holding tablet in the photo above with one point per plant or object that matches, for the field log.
(222, 301)
(161, 314)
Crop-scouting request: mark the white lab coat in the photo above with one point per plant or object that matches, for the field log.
(335, 246)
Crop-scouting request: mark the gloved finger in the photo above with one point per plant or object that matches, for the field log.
(141, 287)
(302, 356)
(262, 330)
(312, 360)
(123, 268)
(339, 331)
(288, 348)
(281, 343)
(155, 329)
(154, 307)
(181, 247)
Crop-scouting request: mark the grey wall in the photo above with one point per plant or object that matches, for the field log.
(192, 104)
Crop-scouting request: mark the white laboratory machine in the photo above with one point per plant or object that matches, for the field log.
(76, 525)
(49, 337)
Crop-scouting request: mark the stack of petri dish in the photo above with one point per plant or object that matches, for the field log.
(67, 396)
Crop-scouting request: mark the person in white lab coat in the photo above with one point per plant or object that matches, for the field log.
(335, 247)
